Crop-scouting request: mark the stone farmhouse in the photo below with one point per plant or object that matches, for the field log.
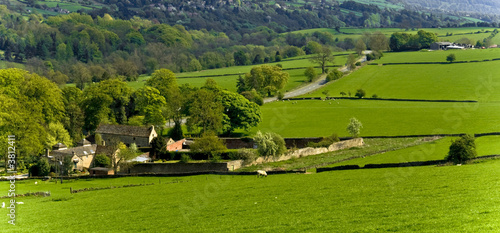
(81, 156)
(128, 134)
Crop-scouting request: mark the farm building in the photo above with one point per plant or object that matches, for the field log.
(175, 146)
(128, 134)
(81, 156)
(449, 45)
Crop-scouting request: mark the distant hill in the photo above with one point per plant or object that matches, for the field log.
(466, 6)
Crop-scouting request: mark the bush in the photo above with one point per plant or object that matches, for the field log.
(360, 93)
(102, 160)
(358, 63)
(52, 174)
(374, 96)
(462, 149)
(208, 144)
(325, 142)
(185, 158)
(40, 168)
(451, 58)
(281, 95)
(334, 75)
(354, 127)
(248, 155)
(270, 144)
(176, 132)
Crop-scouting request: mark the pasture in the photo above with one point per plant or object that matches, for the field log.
(315, 118)
(469, 81)
(424, 199)
(440, 56)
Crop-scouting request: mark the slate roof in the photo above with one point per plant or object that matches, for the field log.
(79, 151)
(128, 130)
(84, 142)
(59, 146)
(105, 150)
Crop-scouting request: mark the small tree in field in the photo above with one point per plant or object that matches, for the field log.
(451, 58)
(360, 93)
(354, 127)
(270, 144)
(462, 149)
(310, 73)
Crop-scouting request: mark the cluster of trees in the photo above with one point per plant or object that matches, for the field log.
(401, 41)
(40, 114)
(262, 80)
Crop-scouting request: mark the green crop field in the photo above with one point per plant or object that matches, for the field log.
(423, 199)
(469, 81)
(315, 118)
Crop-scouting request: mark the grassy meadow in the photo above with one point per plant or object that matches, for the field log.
(469, 81)
(440, 56)
(423, 199)
(315, 118)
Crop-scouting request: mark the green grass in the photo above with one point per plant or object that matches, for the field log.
(6, 64)
(423, 199)
(470, 81)
(440, 56)
(314, 118)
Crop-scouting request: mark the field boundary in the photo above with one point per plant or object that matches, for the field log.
(383, 99)
(392, 165)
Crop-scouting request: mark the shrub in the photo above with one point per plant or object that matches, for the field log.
(102, 160)
(185, 158)
(360, 93)
(281, 95)
(248, 155)
(270, 144)
(462, 149)
(310, 73)
(354, 127)
(52, 174)
(374, 96)
(40, 168)
(325, 142)
(451, 58)
(358, 63)
(334, 75)
(208, 144)
(176, 132)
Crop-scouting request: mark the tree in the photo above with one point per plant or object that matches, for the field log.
(323, 58)
(310, 73)
(158, 146)
(240, 58)
(240, 85)
(360, 47)
(334, 75)
(451, 58)
(149, 102)
(270, 144)
(425, 39)
(80, 75)
(351, 61)
(164, 81)
(205, 112)
(312, 47)
(360, 93)
(462, 149)
(326, 93)
(122, 155)
(238, 112)
(41, 167)
(266, 79)
(354, 127)
(102, 160)
(342, 93)
(56, 133)
(208, 144)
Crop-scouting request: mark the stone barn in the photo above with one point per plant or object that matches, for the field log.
(128, 134)
(440, 45)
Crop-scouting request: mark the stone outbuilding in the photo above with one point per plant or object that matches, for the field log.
(128, 134)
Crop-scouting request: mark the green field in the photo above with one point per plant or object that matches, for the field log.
(423, 199)
(315, 118)
(435, 150)
(297, 76)
(440, 56)
(469, 81)
(458, 33)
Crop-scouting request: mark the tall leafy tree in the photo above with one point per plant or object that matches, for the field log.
(266, 79)
(323, 58)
